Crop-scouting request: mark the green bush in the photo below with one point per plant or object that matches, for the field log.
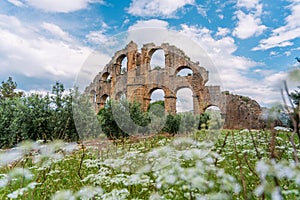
(203, 121)
(172, 124)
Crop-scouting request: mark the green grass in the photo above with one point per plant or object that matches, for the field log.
(240, 165)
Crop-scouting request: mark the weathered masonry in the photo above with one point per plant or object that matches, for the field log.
(138, 81)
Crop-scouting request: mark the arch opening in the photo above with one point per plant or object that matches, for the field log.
(213, 110)
(184, 71)
(106, 77)
(103, 100)
(184, 101)
(157, 95)
(157, 102)
(216, 117)
(93, 96)
(124, 66)
(120, 96)
(157, 59)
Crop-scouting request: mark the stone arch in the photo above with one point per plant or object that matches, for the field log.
(213, 106)
(195, 96)
(169, 98)
(120, 95)
(102, 100)
(156, 90)
(124, 65)
(106, 77)
(157, 58)
(181, 68)
(120, 65)
(185, 102)
(93, 96)
(216, 115)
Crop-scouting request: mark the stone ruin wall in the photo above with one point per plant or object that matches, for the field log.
(139, 81)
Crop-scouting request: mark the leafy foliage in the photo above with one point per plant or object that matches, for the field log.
(108, 124)
(123, 118)
(84, 116)
(203, 121)
(36, 117)
(7, 89)
(120, 119)
(172, 124)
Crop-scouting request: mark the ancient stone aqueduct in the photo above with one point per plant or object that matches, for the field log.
(139, 81)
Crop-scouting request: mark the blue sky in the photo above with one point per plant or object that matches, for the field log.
(252, 43)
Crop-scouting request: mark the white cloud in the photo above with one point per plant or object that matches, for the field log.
(57, 31)
(248, 4)
(202, 11)
(100, 39)
(126, 21)
(156, 8)
(273, 53)
(97, 37)
(64, 6)
(184, 101)
(222, 31)
(283, 36)
(287, 53)
(148, 31)
(16, 3)
(221, 16)
(152, 23)
(248, 25)
(25, 51)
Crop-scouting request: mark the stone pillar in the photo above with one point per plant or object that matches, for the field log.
(117, 68)
(170, 104)
(146, 104)
(135, 93)
(131, 56)
(196, 104)
(92, 98)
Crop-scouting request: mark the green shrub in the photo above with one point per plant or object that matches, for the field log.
(172, 124)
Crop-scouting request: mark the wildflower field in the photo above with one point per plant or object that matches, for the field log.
(231, 165)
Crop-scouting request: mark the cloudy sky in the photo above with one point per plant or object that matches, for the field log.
(252, 43)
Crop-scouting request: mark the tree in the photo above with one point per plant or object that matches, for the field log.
(7, 89)
(63, 125)
(123, 118)
(139, 117)
(157, 107)
(35, 117)
(172, 124)
(108, 124)
(87, 123)
(203, 121)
